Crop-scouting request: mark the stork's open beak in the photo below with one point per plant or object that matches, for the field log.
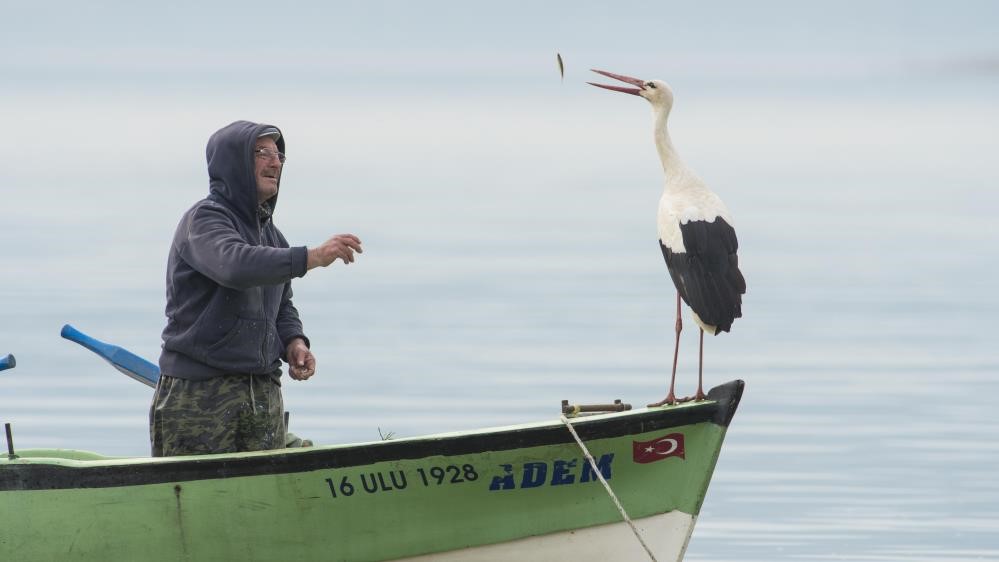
(628, 79)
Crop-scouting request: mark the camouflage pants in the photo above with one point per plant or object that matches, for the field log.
(218, 415)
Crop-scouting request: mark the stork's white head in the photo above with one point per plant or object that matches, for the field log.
(657, 92)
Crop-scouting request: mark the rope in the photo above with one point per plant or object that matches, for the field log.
(596, 470)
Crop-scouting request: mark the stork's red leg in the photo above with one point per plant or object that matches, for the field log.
(671, 397)
(700, 370)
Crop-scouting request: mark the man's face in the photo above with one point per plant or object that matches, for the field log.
(267, 168)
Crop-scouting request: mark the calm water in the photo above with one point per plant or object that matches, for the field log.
(510, 262)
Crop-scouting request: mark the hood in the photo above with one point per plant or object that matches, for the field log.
(231, 167)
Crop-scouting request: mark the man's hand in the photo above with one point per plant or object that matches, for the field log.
(301, 362)
(340, 246)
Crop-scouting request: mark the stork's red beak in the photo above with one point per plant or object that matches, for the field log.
(627, 79)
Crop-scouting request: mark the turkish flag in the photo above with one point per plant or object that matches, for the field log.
(650, 451)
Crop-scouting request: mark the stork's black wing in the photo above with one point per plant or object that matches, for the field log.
(707, 272)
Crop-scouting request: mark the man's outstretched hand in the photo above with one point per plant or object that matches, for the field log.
(341, 246)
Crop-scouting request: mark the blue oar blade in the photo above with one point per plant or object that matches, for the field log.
(136, 367)
(120, 358)
(7, 362)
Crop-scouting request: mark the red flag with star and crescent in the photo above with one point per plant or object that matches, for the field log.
(671, 445)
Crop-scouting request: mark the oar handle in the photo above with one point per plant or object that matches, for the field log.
(97, 346)
(7, 362)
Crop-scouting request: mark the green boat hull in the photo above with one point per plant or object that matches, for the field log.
(374, 501)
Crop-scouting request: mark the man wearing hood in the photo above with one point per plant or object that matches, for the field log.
(230, 319)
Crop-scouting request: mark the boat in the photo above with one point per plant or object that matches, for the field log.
(612, 485)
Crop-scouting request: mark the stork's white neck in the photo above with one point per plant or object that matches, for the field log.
(673, 166)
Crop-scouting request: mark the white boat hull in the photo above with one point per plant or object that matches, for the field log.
(666, 535)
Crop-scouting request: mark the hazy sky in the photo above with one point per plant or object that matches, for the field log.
(271, 43)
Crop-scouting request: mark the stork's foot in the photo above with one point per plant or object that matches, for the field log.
(668, 401)
(697, 397)
(672, 400)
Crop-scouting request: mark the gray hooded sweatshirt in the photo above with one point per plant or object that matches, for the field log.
(229, 272)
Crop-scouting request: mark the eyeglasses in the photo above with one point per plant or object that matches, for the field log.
(269, 154)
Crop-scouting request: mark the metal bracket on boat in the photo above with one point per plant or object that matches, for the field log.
(573, 410)
(10, 442)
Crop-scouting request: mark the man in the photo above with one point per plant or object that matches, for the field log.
(230, 319)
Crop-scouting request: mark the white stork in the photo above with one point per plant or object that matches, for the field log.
(695, 234)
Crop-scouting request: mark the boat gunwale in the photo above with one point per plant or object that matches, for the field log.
(47, 473)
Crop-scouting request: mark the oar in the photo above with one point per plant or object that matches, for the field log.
(142, 370)
(7, 363)
(119, 358)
